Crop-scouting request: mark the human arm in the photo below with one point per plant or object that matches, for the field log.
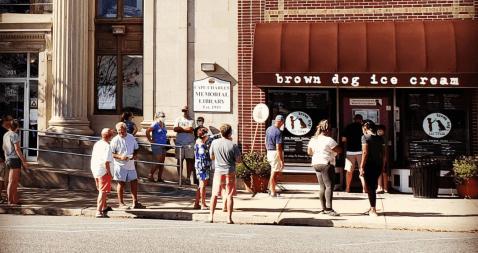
(135, 130)
(20, 154)
(281, 155)
(107, 167)
(365, 151)
(310, 151)
(148, 134)
(237, 154)
(384, 157)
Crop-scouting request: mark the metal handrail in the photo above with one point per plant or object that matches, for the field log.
(88, 137)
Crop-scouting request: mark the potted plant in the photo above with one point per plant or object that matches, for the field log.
(465, 171)
(255, 171)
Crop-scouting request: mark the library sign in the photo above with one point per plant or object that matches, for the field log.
(377, 80)
(212, 95)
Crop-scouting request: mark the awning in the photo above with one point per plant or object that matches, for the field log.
(398, 54)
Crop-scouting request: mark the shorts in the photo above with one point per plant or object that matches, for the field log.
(351, 161)
(274, 160)
(158, 150)
(103, 184)
(4, 171)
(14, 163)
(187, 153)
(124, 175)
(223, 181)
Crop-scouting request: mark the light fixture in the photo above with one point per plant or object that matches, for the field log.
(208, 66)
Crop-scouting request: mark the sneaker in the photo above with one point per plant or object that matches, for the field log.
(138, 206)
(373, 214)
(99, 215)
(331, 212)
(123, 207)
(160, 181)
(276, 196)
(107, 209)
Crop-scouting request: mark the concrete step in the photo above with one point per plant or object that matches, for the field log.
(73, 179)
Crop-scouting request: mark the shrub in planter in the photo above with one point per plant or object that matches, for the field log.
(465, 171)
(255, 170)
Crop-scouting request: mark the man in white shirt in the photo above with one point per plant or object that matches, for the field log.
(125, 149)
(184, 126)
(101, 161)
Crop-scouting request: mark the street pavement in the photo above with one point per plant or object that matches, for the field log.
(396, 211)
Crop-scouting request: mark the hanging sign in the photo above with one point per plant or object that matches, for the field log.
(212, 95)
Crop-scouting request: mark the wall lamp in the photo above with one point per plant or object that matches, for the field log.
(208, 66)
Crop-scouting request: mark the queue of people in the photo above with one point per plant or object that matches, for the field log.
(113, 159)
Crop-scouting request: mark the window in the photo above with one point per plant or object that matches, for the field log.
(119, 57)
(26, 6)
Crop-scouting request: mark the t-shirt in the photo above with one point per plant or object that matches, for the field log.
(3, 131)
(124, 146)
(184, 138)
(322, 147)
(354, 133)
(130, 126)
(375, 143)
(9, 140)
(225, 154)
(159, 133)
(273, 137)
(99, 156)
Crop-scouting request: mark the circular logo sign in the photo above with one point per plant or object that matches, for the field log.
(437, 125)
(260, 113)
(298, 123)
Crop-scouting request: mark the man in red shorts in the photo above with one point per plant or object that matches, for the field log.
(225, 154)
(101, 161)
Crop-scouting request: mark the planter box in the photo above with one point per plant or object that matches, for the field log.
(401, 182)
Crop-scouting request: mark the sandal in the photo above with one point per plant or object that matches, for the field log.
(150, 178)
(196, 207)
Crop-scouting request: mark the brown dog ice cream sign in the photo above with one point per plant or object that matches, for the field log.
(298, 123)
(437, 125)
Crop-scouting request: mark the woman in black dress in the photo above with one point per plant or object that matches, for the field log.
(373, 158)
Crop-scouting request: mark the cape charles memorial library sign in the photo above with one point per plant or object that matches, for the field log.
(212, 95)
(376, 80)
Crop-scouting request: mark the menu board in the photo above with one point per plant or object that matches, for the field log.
(436, 102)
(436, 148)
(296, 147)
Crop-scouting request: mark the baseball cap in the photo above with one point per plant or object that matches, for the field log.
(279, 118)
(185, 108)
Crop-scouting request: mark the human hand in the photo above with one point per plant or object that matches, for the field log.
(124, 158)
(152, 140)
(25, 165)
(361, 172)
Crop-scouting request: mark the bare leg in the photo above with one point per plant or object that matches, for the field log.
(161, 167)
(189, 167)
(198, 196)
(385, 181)
(348, 179)
(230, 207)
(134, 191)
(101, 202)
(203, 184)
(363, 185)
(224, 200)
(1, 188)
(120, 191)
(12, 186)
(380, 183)
(151, 172)
(273, 183)
(213, 207)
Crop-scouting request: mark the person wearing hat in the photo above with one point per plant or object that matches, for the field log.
(184, 126)
(352, 139)
(275, 154)
(158, 128)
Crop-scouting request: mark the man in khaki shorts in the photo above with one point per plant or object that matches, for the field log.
(275, 153)
(184, 126)
(4, 171)
(352, 137)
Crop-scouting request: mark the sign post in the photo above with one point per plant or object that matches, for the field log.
(260, 114)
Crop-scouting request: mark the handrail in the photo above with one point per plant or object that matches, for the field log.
(89, 138)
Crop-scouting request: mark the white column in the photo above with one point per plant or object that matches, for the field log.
(70, 72)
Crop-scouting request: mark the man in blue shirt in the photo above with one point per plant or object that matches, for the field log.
(275, 154)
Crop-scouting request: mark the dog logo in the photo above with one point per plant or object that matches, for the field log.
(437, 125)
(298, 123)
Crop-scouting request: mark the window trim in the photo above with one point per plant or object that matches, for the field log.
(119, 14)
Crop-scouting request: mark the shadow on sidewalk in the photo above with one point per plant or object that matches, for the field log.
(410, 214)
(307, 222)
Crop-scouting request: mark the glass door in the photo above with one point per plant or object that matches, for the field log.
(14, 102)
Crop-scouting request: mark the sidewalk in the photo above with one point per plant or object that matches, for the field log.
(396, 211)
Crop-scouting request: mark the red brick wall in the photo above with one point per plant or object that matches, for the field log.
(253, 11)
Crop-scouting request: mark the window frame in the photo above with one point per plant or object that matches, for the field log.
(119, 53)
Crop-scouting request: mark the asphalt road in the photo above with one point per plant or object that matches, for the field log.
(20, 233)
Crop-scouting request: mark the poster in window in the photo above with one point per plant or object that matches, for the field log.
(370, 114)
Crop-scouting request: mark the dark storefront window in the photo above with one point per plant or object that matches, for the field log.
(303, 110)
(26, 6)
(13, 65)
(119, 56)
(436, 124)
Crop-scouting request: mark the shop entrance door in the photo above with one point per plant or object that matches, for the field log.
(376, 106)
(19, 99)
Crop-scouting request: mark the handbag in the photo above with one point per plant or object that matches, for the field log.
(168, 142)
